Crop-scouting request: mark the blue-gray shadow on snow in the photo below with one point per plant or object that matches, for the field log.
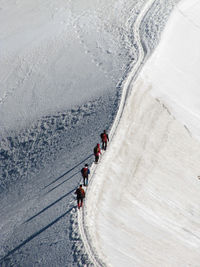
(50, 205)
(63, 182)
(35, 235)
(69, 170)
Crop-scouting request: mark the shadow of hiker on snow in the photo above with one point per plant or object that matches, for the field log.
(50, 205)
(62, 182)
(37, 233)
(34, 235)
(69, 171)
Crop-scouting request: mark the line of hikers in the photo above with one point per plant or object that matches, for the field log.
(85, 171)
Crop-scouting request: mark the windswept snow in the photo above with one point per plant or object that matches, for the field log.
(62, 68)
(142, 207)
(173, 70)
(62, 64)
(58, 54)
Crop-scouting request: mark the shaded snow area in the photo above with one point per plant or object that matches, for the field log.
(143, 204)
(68, 71)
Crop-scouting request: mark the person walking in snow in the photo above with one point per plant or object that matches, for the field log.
(85, 171)
(104, 139)
(97, 152)
(80, 194)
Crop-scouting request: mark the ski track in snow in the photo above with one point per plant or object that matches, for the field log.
(93, 255)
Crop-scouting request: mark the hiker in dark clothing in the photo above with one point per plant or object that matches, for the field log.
(97, 152)
(104, 139)
(80, 193)
(85, 171)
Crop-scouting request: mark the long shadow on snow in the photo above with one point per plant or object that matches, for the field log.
(69, 170)
(49, 206)
(54, 221)
(35, 235)
(63, 182)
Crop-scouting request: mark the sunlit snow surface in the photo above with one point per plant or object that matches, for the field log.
(173, 70)
(143, 207)
(62, 67)
(55, 54)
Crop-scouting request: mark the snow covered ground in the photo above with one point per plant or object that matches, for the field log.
(63, 65)
(142, 207)
(173, 70)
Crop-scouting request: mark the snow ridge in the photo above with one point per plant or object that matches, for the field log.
(125, 93)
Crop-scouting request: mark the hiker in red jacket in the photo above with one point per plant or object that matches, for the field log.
(97, 152)
(85, 171)
(80, 193)
(104, 139)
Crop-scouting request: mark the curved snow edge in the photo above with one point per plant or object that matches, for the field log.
(84, 234)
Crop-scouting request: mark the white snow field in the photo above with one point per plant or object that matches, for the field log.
(143, 203)
(64, 67)
(61, 65)
(175, 66)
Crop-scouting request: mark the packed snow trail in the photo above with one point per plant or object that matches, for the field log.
(49, 48)
(83, 227)
(142, 206)
(58, 85)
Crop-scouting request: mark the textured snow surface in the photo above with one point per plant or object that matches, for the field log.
(173, 70)
(63, 65)
(57, 54)
(142, 208)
